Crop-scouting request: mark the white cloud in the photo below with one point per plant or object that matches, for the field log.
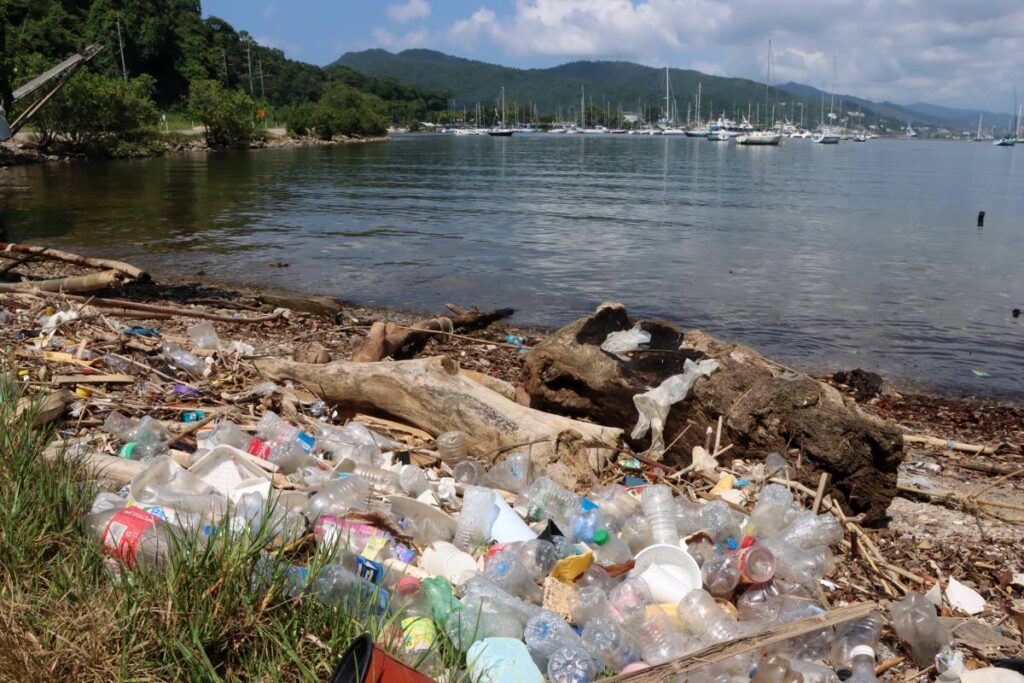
(389, 41)
(946, 51)
(413, 9)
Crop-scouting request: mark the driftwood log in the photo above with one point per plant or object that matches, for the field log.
(388, 340)
(765, 407)
(435, 396)
(77, 283)
(106, 264)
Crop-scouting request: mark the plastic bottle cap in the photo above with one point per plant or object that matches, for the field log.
(588, 505)
(600, 537)
(862, 650)
(731, 543)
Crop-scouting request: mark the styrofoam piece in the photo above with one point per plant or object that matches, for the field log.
(163, 471)
(232, 473)
(664, 553)
(509, 526)
(403, 506)
(963, 598)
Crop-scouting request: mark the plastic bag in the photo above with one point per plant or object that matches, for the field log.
(653, 405)
(626, 341)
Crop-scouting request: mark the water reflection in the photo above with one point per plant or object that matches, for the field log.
(861, 254)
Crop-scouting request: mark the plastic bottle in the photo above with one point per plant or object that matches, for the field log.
(482, 587)
(354, 442)
(290, 447)
(144, 439)
(545, 633)
(608, 643)
(337, 498)
(180, 358)
(468, 472)
(378, 478)
(335, 585)
(572, 664)
(596, 577)
(629, 597)
(416, 621)
(544, 499)
(228, 434)
(688, 517)
(636, 533)
(721, 575)
(451, 446)
(616, 504)
(610, 549)
(425, 531)
(204, 336)
(808, 530)
(756, 564)
(702, 617)
(481, 618)
(794, 563)
(772, 512)
(537, 555)
(586, 522)
(514, 473)
(476, 519)
(917, 625)
(862, 665)
(776, 466)
(660, 510)
(721, 520)
(132, 535)
(656, 638)
(588, 603)
(851, 637)
(506, 570)
(776, 669)
(413, 481)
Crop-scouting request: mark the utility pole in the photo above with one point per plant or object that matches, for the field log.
(120, 43)
(248, 53)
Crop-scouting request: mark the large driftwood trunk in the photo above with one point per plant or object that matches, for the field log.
(434, 395)
(764, 406)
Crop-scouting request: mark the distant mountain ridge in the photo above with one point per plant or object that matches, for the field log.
(555, 89)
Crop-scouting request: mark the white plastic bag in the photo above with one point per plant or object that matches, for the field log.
(653, 405)
(626, 341)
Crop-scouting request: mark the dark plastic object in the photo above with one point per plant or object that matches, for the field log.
(365, 662)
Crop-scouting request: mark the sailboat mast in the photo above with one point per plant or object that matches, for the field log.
(667, 110)
(832, 101)
(583, 109)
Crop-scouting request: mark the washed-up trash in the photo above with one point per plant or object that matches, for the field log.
(138, 331)
(653, 405)
(627, 341)
(204, 336)
(965, 599)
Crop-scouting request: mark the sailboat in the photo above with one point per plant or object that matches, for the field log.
(911, 133)
(670, 127)
(502, 131)
(828, 134)
(763, 137)
(1011, 137)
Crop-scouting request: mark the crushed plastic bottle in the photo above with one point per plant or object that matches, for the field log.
(544, 499)
(721, 521)
(182, 359)
(703, 618)
(204, 336)
(413, 481)
(476, 519)
(469, 472)
(514, 473)
(546, 633)
(774, 508)
(506, 570)
(337, 498)
(916, 623)
(721, 575)
(451, 446)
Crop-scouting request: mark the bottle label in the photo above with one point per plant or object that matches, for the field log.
(124, 531)
(261, 449)
(369, 570)
(374, 547)
(306, 441)
(418, 633)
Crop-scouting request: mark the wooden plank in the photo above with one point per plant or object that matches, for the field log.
(722, 651)
(94, 379)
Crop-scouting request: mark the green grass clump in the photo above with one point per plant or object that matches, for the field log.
(200, 616)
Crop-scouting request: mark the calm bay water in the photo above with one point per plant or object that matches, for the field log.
(824, 256)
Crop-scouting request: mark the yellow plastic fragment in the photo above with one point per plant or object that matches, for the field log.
(569, 569)
(725, 483)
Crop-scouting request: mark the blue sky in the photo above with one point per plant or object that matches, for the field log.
(949, 52)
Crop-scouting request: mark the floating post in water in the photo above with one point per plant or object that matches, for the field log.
(981, 219)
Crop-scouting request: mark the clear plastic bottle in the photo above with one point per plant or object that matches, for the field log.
(290, 447)
(413, 481)
(537, 555)
(143, 439)
(660, 510)
(616, 504)
(378, 478)
(636, 533)
(850, 636)
(688, 517)
(451, 446)
(776, 466)
(655, 636)
(608, 642)
(721, 520)
(808, 530)
(862, 665)
(132, 535)
(180, 358)
(585, 522)
(597, 577)
(630, 597)
(514, 473)
(337, 498)
(756, 564)
(481, 587)
(228, 434)
(588, 603)
(204, 336)
(794, 563)
(776, 669)
(773, 511)
(572, 664)
(469, 472)
(335, 585)
(506, 570)
(546, 633)
(703, 618)
(917, 625)
(476, 519)
(544, 499)
(721, 575)
(610, 549)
